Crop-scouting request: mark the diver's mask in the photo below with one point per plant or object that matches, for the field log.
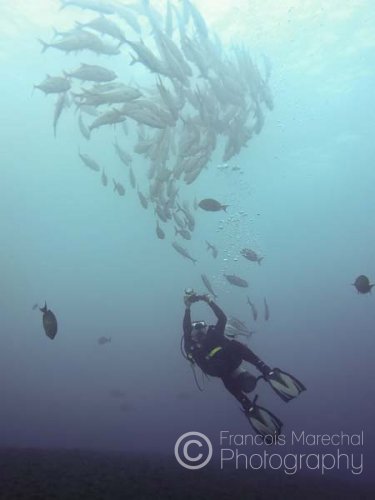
(199, 330)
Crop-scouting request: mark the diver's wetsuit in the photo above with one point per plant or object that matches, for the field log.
(223, 361)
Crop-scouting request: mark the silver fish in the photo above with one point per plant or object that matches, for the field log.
(53, 85)
(208, 285)
(62, 102)
(213, 249)
(236, 280)
(182, 251)
(159, 232)
(211, 205)
(92, 73)
(143, 199)
(89, 162)
(118, 187)
(251, 255)
(82, 127)
(253, 309)
(104, 178)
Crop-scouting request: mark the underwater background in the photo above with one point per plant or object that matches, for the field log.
(303, 198)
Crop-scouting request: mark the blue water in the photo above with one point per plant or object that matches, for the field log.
(308, 189)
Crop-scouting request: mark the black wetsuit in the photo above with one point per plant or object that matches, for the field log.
(223, 361)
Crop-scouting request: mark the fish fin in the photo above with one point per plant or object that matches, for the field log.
(224, 207)
(45, 45)
(44, 309)
(114, 185)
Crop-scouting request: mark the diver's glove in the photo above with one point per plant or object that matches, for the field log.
(205, 298)
(190, 297)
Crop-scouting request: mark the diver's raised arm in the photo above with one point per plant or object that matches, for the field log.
(186, 324)
(219, 313)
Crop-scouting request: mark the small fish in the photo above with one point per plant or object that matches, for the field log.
(104, 340)
(142, 199)
(266, 310)
(104, 178)
(362, 284)
(61, 103)
(182, 251)
(212, 248)
(133, 182)
(253, 309)
(251, 255)
(119, 188)
(208, 285)
(82, 127)
(159, 232)
(89, 162)
(211, 205)
(236, 280)
(183, 232)
(49, 322)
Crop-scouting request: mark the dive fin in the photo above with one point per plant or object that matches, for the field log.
(285, 385)
(263, 421)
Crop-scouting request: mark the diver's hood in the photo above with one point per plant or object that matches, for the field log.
(199, 330)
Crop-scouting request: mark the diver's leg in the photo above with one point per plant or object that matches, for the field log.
(249, 356)
(263, 421)
(233, 388)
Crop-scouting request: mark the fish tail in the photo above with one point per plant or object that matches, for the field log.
(44, 309)
(45, 45)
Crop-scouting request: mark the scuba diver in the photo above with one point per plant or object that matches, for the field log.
(218, 356)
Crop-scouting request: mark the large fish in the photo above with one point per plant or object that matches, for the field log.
(362, 284)
(208, 285)
(53, 85)
(104, 26)
(211, 205)
(253, 309)
(92, 73)
(110, 117)
(236, 280)
(49, 322)
(251, 255)
(182, 251)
